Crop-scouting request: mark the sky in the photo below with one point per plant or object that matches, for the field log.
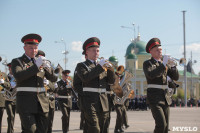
(74, 21)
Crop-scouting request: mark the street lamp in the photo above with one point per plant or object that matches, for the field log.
(64, 52)
(185, 67)
(133, 41)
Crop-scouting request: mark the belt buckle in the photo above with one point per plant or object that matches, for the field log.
(100, 90)
(38, 89)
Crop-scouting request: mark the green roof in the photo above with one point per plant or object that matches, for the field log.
(188, 74)
(140, 45)
(113, 59)
(131, 56)
(144, 53)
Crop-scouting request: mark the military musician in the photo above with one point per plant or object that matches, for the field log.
(10, 102)
(4, 84)
(156, 71)
(32, 103)
(50, 91)
(95, 80)
(64, 92)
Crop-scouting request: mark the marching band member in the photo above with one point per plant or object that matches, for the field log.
(64, 92)
(121, 113)
(32, 103)
(4, 84)
(156, 71)
(10, 102)
(50, 91)
(95, 80)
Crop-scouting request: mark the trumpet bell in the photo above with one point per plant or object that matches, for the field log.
(173, 61)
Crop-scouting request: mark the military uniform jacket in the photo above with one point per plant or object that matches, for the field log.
(5, 85)
(94, 77)
(156, 73)
(77, 84)
(27, 74)
(51, 92)
(63, 90)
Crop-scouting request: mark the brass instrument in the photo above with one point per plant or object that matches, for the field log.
(46, 82)
(10, 95)
(173, 61)
(127, 91)
(107, 65)
(1, 87)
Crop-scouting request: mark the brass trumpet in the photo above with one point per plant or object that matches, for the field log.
(173, 61)
(108, 65)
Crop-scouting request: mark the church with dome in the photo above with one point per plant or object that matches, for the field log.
(135, 56)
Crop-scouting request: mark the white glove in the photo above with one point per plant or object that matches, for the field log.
(169, 79)
(46, 81)
(39, 61)
(13, 84)
(103, 62)
(56, 85)
(46, 64)
(165, 59)
(1, 81)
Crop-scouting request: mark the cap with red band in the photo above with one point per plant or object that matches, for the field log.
(152, 43)
(31, 39)
(9, 64)
(91, 42)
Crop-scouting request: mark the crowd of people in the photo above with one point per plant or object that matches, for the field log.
(33, 90)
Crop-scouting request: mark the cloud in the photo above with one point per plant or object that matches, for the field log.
(77, 46)
(194, 47)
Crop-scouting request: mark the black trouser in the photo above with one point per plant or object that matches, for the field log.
(65, 116)
(82, 121)
(1, 116)
(34, 122)
(95, 120)
(111, 105)
(50, 119)
(119, 120)
(107, 123)
(10, 109)
(124, 116)
(161, 116)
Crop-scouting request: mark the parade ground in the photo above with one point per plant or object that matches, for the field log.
(181, 120)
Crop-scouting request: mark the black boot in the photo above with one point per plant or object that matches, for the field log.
(121, 130)
(127, 126)
(116, 131)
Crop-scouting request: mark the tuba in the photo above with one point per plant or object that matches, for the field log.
(127, 91)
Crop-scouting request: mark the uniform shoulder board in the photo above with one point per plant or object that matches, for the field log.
(86, 66)
(20, 62)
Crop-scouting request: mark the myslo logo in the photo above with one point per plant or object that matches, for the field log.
(185, 129)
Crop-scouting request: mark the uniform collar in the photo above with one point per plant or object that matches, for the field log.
(27, 56)
(26, 59)
(92, 61)
(155, 61)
